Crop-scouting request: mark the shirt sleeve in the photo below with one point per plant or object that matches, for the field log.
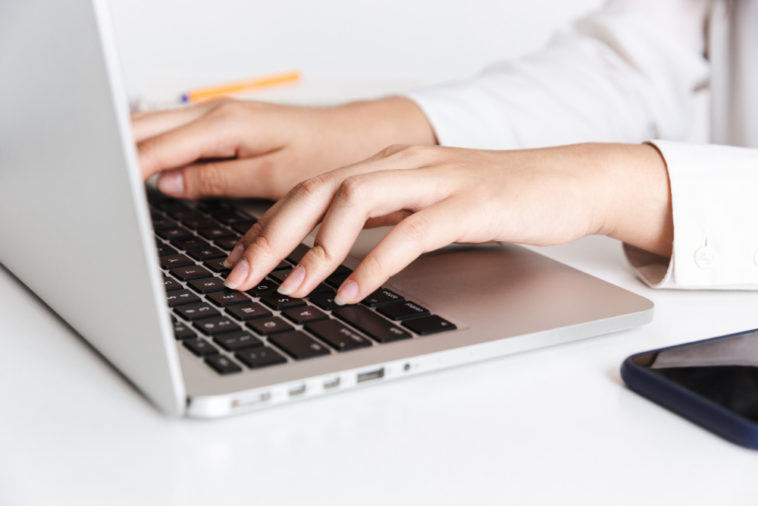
(715, 214)
(625, 73)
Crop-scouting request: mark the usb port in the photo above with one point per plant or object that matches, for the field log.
(332, 383)
(297, 390)
(371, 375)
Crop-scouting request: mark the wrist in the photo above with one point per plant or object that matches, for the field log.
(636, 196)
(376, 124)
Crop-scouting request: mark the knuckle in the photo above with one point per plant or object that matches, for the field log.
(261, 243)
(414, 229)
(320, 254)
(311, 187)
(353, 189)
(372, 268)
(392, 149)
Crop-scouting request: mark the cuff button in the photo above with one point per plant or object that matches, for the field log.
(705, 257)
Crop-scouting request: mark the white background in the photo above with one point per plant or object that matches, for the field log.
(408, 41)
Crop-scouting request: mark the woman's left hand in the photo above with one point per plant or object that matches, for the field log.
(435, 196)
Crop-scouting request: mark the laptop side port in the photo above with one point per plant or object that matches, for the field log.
(371, 375)
(332, 383)
(300, 390)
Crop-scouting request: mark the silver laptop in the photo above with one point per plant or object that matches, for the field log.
(79, 229)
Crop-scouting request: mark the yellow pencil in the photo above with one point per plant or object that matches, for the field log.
(222, 90)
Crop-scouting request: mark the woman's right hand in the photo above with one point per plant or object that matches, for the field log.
(233, 148)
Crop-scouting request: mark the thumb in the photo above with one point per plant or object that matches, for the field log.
(250, 177)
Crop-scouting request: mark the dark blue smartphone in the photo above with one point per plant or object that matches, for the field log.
(713, 382)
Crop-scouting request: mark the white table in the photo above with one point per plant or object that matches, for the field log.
(553, 426)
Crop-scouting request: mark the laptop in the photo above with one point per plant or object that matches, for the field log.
(139, 275)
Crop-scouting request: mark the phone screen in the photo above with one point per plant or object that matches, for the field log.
(723, 370)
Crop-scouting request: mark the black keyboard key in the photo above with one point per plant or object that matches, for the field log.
(237, 341)
(196, 311)
(171, 261)
(304, 314)
(217, 325)
(226, 243)
(265, 287)
(297, 254)
(336, 279)
(371, 323)
(163, 223)
(222, 364)
(338, 335)
(217, 265)
(215, 232)
(185, 214)
(207, 285)
(269, 325)
(179, 297)
(228, 297)
(191, 272)
(170, 284)
(200, 347)
(278, 301)
(171, 234)
(401, 311)
(198, 221)
(260, 357)
(190, 242)
(164, 249)
(280, 275)
(206, 253)
(231, 216)
(248, 311)
(181, 331)
(324, 300)
(429, 325)
(242, 226)
(381, 297)
(298, 345)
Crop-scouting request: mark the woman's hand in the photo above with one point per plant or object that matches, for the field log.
(235, 148)
(436, 196)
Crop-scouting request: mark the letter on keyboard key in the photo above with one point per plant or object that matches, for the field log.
(217, 325)
(401, 311)
(371, 323)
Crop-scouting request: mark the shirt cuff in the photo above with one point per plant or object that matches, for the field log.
(715, 213)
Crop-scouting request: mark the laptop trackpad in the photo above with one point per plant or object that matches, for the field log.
(502, 288)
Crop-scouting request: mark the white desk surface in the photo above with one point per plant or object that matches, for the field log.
(553, 426)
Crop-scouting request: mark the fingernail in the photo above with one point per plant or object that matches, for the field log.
(347, 293)
(234, 256)
(293, 281)
(238, 274)
(172, 183)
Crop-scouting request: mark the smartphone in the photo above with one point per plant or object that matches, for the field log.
(713, 382)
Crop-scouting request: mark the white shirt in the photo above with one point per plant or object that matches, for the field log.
(628, 73)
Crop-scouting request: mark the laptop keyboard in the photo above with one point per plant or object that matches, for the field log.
(233, 331)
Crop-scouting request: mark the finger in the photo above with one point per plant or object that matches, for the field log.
(285, 225)
(426, 230)
(149, 124)
(358, 199)
(237, 178)
(200, 138)
(388, 219)
(279, 232)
